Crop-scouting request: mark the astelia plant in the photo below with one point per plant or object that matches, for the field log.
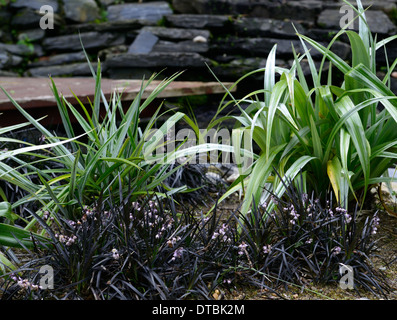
(333, 132)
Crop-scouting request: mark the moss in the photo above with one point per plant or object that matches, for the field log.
(393, 15)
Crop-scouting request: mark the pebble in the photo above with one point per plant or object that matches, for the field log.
(217, 295)
(199, 39)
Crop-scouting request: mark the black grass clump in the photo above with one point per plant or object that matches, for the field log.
(144, 250)
(302, 241)
(150, 249)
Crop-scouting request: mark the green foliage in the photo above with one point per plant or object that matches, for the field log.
(101, 212)
(334, 133)
(115, 155)
(114, 150)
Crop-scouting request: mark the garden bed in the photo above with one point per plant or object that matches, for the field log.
(122, 211)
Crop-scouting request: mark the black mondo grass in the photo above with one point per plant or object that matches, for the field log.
(144, 249)
(151, 248)
(303, 241)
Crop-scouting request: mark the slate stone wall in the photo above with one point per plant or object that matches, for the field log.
(133, 39)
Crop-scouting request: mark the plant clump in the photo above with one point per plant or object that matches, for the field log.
(107, 216)
(148, 249)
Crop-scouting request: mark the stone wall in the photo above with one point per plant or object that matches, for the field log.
(133, 38)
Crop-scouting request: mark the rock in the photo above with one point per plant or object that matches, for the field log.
(267, 27)
(200, 39)
(384, 5)
(102, 54)
(305, 10)
(378, 21)
(262, 47)
(26, 18)
(143, 43)
(3, 59)
(74, 69)
(35, 4)
(108, 2)
(156, 59)
(37, 50)
(198, 21)
(17, 49)
(8, 60)
(190, 6)
(221, 172)
(182, 46)
(90, 40)
(108, 26)
(231, 7)
(57, 59)
(213, 177)
(232, 174)
(81, 10)
(4, 73)
(150, 11)
(177, 33)
(32, 35)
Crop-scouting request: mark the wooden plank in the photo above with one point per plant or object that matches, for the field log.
(35, 95)
(36, 92)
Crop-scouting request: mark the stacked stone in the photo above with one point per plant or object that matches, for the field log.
(135, 39)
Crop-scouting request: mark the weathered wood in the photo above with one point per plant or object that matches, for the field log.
(35, 94)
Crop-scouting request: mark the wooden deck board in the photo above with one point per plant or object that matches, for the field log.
(35, 94)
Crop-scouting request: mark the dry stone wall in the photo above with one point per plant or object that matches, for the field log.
(133, 39)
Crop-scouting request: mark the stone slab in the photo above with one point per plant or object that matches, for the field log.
(198, 21)
(58, 59)
(90, 40)
(262, 47)
(36, 94)
(81, 10)
(156, 59)
(17, 49)
(143, 43)
(177, 33)
(34, 4)
(150, 11)
(378, 21)
(80, 69)
(181, 46)
(264, 27)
